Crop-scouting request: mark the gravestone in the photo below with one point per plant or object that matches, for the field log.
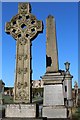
(23, 27)
(55, 80)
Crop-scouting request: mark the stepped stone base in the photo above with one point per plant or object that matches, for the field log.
(53, 103)
(24, 119)
(54, 112)
(22, 111)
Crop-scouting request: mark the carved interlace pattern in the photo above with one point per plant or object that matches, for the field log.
(22, 95)
(23, 27)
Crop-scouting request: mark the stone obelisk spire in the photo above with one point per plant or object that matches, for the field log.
(51, 45)
(57, 83)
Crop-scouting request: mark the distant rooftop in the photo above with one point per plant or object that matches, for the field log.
(1, 82)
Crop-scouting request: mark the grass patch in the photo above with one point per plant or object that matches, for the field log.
(76, 113)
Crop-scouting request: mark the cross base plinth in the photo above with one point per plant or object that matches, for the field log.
(22, 111)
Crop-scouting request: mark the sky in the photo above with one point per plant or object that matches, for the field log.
(66, 16)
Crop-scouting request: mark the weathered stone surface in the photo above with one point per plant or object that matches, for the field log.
(54, 112)
(53, 102)
(23, 27)
(24, 118)
(22, 110)
(53, 78)
(51, 44)
(53, 95)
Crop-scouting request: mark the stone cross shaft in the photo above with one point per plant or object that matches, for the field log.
(23, 27)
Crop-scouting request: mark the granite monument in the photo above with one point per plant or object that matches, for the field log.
(57, 83)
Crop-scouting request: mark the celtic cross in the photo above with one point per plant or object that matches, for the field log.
(23, 27)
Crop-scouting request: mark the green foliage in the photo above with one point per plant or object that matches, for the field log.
(7, 99)
(77, 113)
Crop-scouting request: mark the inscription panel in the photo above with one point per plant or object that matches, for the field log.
(21, 110)
(53, 95)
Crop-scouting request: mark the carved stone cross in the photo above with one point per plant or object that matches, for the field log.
(23, 27)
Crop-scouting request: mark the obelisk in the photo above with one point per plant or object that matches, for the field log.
(53, 98)
(51, 45)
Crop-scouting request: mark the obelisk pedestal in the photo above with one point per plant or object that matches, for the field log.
(23, 27)
(53, 102)
(54, 85)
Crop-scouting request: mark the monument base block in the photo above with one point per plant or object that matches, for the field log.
(53, 103)
(54, 112)
(24, 119)
(22, 111)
